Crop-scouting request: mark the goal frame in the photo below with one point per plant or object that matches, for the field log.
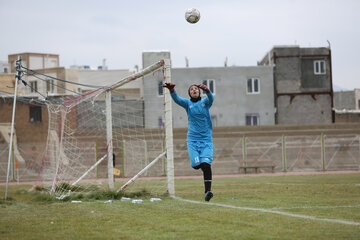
(165, 64)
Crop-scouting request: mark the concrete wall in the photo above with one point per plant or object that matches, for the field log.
(304, 109)
(357, 98)
(287, 74)
(311, 82)
(294, 70)
(106, 78)
(125, 113)
(153, 103)
(347, 104)
(344, 100)
(301, 96)
(347, 118)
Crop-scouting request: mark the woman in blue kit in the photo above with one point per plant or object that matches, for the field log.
(199, 135)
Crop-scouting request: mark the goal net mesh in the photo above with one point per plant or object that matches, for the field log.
(92, 140)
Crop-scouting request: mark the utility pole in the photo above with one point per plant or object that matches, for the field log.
(17, 78)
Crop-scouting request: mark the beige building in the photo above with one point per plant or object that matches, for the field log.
(39, 85)
(48, 85)
(34, 60)
(7, 82)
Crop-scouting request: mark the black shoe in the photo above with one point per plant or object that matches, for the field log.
(208, 196)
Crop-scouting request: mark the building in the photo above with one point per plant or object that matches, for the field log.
(347, 106)
(7, 79)
(4, 67)
(37, 85)
(243, 95)
(34, 60)
(42, 86)
(303, 90)
(107, 77)
(7, 83)
(290, 85)
(349, 100)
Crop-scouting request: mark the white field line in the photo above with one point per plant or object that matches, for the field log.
(291, 184)
(272, 211)
(308, 184)
(317, 207)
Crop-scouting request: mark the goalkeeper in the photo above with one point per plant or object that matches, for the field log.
(199, 135)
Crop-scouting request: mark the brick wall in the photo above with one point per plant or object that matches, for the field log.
(7, 80)
(26, 131)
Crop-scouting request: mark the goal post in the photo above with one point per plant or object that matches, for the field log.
(101, 122)
(169, 132)
(109, 139)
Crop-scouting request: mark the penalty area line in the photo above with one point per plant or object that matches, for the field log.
(272, 211)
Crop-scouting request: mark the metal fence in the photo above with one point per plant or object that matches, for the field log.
(232, 155)
(287, 153)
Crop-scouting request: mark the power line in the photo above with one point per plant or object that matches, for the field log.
(31, 101)
(26, 71)
(47, 81)
(32, 88)
(62, 80)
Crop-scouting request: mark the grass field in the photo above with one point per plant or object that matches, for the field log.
(262, 207)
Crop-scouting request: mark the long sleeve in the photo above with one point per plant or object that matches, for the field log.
(199, 119)
(210, 98)
(179, 100)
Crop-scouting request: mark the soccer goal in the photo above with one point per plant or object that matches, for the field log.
(107, 138)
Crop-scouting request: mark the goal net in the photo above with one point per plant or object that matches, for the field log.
(107, 139)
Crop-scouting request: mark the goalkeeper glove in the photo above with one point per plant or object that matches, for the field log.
(169, 86)
(204, 88)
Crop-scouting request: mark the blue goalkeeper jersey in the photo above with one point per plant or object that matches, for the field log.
(199, 120)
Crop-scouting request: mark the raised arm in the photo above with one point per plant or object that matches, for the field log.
(209, 95)
(178, 100)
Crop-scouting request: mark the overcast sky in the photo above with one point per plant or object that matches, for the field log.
(85, 32)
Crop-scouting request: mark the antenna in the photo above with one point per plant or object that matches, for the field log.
(329, 44)
(104, 67)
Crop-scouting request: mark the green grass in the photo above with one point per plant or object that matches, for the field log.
(36, 216)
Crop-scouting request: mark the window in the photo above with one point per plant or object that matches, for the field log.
(33, 86)
(210, 83)
(35, 114)
(160, 88)
(253, 86)
(252, 120)
(5, 70)
(50, 85)
(319, 67)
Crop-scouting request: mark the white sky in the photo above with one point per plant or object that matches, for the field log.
(84, 32)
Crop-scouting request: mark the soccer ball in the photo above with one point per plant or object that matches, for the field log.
(192, 15)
